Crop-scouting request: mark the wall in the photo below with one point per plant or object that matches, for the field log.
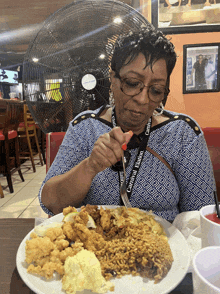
(203, 107)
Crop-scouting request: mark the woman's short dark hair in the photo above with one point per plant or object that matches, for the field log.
(150, 42)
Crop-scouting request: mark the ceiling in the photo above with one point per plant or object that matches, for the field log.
(19, 23)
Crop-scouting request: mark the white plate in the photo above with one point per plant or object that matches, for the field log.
(126, 284)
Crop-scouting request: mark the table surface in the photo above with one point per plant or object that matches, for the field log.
(12, 232)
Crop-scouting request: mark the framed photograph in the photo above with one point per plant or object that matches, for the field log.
(186, 16)
(201, 68)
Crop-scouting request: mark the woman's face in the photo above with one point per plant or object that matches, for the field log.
(134, 112)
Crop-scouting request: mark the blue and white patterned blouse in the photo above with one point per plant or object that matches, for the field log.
(178, 140)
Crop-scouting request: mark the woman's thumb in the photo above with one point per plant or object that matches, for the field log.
(128, 138)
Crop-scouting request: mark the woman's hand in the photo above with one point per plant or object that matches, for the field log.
(107, 149)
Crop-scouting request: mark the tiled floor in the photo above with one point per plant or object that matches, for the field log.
(23, 203)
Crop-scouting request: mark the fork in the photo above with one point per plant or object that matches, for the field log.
(123, 188)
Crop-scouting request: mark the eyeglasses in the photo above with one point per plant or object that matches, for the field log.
(119, 166)
(133, 87)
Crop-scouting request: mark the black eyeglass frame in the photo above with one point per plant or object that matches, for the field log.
(166, 92)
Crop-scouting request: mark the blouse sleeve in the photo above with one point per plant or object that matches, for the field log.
(72, 151)
(194, 173)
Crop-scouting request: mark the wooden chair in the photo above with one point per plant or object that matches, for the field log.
(1, 192)
(27, 129)
(212, 136)
(53, 142)
(10, 113)
(42, 141)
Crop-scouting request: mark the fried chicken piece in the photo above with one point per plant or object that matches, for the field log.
(47, 270)
(69, 209)
(105, 219)
(69, 231)
(81, 218)
(77, 246)
(55, 234)
(92, 210)
(33, 235)
(42, 260)
(61, 244)
(99, 230)
(38, 248)
(48, 254)
(99, 241)
(95, 245)
(84, 217)
(69, 251)
(34, 269)
(82, 231)
(46, 266)
(89, 245)
(55, 256)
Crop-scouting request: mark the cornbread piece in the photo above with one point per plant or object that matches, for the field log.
(83, 271)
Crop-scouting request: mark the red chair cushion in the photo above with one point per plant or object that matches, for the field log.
(212, 136)
(53, 142)
(11, 135)
(22, 125)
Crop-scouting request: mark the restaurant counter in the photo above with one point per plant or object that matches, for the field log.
(12, 232)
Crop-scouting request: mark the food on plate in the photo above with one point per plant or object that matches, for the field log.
(83, 271)
(46, 255)
(72, 217)
(123, 216)
(41, 229)
(124, 241)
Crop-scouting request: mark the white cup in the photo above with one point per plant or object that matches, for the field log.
(210, 231)
(206, 271)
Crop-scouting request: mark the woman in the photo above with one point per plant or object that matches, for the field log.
(87, 166)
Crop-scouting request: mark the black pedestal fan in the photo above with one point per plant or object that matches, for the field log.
(66, 67)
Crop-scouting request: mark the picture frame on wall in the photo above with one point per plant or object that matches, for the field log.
(201, 68)
(186, 16)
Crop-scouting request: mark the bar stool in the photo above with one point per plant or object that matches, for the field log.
(42, 141)
(10, 113)
(27, 129)
(1, 192)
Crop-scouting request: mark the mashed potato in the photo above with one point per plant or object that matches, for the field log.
(83, 271)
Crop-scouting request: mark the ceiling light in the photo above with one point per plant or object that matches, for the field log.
(35, 59)
(117, 20)
(102, 56)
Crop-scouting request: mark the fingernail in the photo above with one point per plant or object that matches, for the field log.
(131, 133)
(124, 146)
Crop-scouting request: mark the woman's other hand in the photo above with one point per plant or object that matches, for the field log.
(107, 149)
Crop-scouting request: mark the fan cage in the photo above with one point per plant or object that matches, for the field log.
(76, 40)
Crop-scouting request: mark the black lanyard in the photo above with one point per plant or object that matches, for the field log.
(139, 157)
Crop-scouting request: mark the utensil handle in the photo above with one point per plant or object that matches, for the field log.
(123, 162)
